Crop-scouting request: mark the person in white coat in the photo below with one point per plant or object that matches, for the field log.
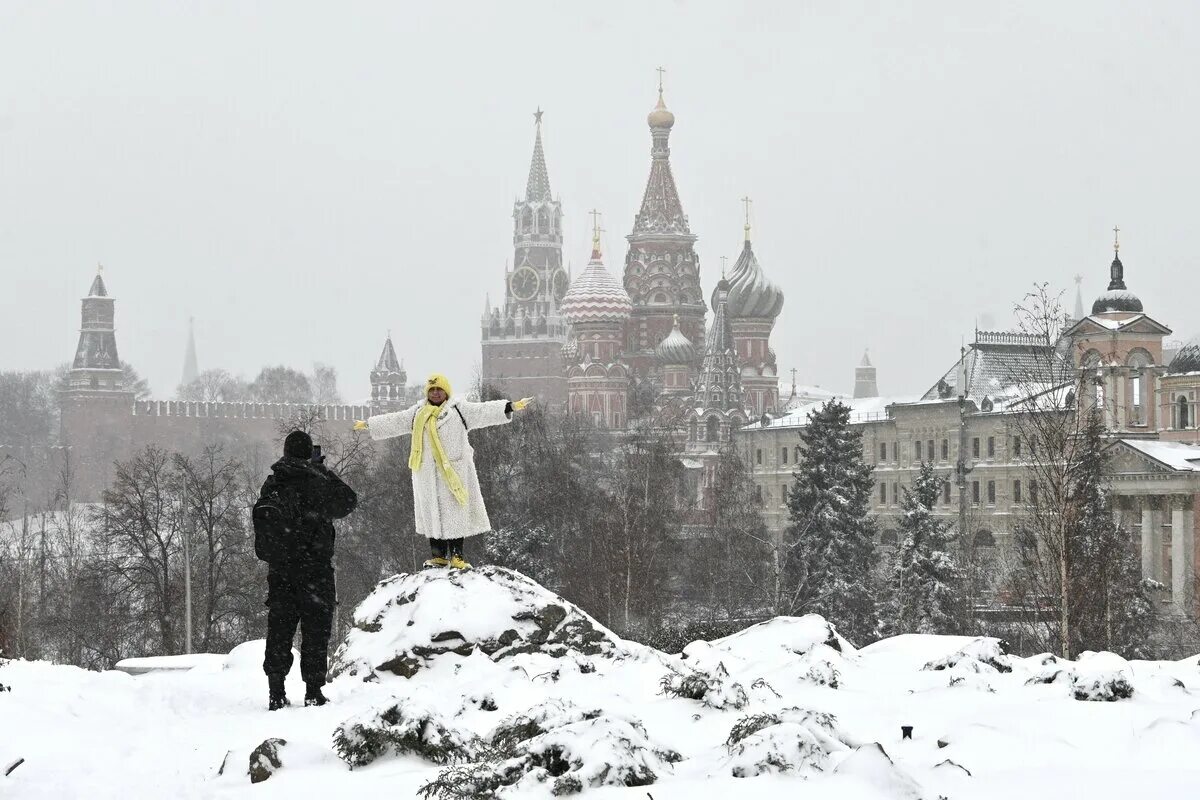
(446, 497)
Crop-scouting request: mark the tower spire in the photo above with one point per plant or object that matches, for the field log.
(191, 369)
(537, 188)
(1078, 297)
(747, 201)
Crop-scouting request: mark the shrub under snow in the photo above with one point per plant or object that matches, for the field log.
(797, 741)
(712, 687)
(984, 654)
(407, 726)
(581, 751)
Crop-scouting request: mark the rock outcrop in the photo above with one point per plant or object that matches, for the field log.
(411, 619)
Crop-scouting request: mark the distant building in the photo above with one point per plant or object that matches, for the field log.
(103, 423)
(522, 339)
(1150, 410)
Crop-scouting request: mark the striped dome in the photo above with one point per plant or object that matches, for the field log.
(595, 296)
(676, 348)
(750, 293)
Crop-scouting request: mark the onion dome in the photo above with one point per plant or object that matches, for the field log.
(1117, 298)
(1187, 359)
(595, 296)
(750, 293)
(570, 350)
(676, 349)
(660, 117)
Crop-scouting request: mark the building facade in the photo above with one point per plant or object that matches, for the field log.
(966, 426)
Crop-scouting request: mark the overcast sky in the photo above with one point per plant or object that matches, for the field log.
(303, 177)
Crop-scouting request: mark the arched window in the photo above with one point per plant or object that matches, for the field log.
(797, 454)
(712, 430)
(984, 538)
(1139, 386)
(659, 298)
(1182, 420)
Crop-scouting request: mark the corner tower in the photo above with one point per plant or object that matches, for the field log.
(97, 410)
(662, 271)
(389, 381)
(522, 339)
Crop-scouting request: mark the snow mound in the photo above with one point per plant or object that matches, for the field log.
(872, 765)
(983, 654)
(410, 620)
(558, 747)
(791, 635)
(793, 741)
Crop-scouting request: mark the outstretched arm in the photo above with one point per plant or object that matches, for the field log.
(387, 426)
(484, 415)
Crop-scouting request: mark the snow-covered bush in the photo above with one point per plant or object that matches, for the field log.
(794, 740)
(1101, 686)
(407, 726)
(818, 667)
(535, 721)
(713, 688)
(584, 753)
(984, 654)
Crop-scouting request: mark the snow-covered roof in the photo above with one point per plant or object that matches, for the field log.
(995, 361)
(1178, 456)
(862, 409)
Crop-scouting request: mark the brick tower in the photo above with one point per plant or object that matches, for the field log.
(522, 339)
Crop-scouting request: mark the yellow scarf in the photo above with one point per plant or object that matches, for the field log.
(430, 412)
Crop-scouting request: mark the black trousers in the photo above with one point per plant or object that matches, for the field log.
(306, 602)
(443, 548)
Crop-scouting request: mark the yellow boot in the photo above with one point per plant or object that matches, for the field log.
(437, 561)
(458, 562)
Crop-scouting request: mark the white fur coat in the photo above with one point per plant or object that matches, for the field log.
(439, 515)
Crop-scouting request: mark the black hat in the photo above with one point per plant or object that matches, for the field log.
(298, 444)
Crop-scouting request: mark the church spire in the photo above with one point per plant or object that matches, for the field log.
(191, 370)
(537, 188)
(661, 211)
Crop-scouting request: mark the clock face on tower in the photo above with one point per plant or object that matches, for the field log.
(561, 283)
(524, 283)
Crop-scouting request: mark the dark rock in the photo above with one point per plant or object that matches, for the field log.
(265, 761)
(403, 665)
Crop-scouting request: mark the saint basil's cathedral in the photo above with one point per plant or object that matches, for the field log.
(634, 350)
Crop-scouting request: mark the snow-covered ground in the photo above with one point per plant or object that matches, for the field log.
(536, 695)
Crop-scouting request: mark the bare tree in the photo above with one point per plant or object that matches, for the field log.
(139, 527)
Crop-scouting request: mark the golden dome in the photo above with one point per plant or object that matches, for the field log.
(660, 117)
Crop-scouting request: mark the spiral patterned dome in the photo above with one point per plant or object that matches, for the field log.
(676, 349)
(595, 296)
(1187, 359)
(750, 293)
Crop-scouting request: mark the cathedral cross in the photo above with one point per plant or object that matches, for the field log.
(1116, 239)
(660, 79)
(595, 223)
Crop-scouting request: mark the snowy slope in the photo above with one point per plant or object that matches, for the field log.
(561, 701)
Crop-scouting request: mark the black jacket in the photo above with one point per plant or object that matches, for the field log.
(320, 497)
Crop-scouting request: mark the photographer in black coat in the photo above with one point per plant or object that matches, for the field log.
(293, 533)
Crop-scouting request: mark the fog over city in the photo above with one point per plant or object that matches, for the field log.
(302, 178)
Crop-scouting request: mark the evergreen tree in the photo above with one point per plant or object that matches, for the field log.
(1112, 607)
(925, 587)
(829, 545)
